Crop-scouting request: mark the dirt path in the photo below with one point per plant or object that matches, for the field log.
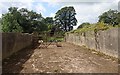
(66, 59)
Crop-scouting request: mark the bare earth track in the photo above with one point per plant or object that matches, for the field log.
(66, 59)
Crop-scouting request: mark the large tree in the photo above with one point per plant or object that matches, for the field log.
(22, 20)
(10, 21)
(31, 21)
(110, 17)
(65, 18)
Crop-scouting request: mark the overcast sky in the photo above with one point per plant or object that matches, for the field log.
(87, 10)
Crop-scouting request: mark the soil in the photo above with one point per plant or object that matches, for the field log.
(67, 58)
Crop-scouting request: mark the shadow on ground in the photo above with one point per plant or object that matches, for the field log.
(14, 63)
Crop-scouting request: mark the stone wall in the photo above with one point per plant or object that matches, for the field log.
(13, 42)
(104, 41)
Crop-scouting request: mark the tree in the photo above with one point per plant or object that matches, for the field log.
(118, 18)
(110, 17)
(10, 21)
(22, 20)
(83, 24)
(25, 20)
(31, 21)
(65, 18)
(49, 22)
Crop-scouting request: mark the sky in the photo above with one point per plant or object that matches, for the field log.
(87, 10)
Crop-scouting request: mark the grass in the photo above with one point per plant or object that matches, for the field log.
(94, 27)
(59, 39)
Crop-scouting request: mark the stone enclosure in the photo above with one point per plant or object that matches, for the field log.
(105, 41)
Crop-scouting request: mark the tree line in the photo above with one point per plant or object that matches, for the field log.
(26, 21)
(22, 20)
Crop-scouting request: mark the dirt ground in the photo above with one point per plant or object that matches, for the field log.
(66, 59)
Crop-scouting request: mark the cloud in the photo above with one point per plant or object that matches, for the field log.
(0, 15)
(52, 15)
(6, 5)
(56, 0)
(53, 1)
(89, 11)
(24, 1)
(39, 8)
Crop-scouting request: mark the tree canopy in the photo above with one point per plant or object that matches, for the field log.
(111, 17)
(28, 21)
(9, 21)
(49, 22)
(22, 20)
(65, 18)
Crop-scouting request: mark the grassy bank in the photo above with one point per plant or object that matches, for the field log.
(93, 27)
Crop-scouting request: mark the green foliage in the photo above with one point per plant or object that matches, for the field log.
(49, 22)
(107, 20)
(93, 27)
(9, 22)
(22, 20)
(31, 21)
(65, 18)
(59, 39)
(0, 25)
(111, 17)
(83, 24)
